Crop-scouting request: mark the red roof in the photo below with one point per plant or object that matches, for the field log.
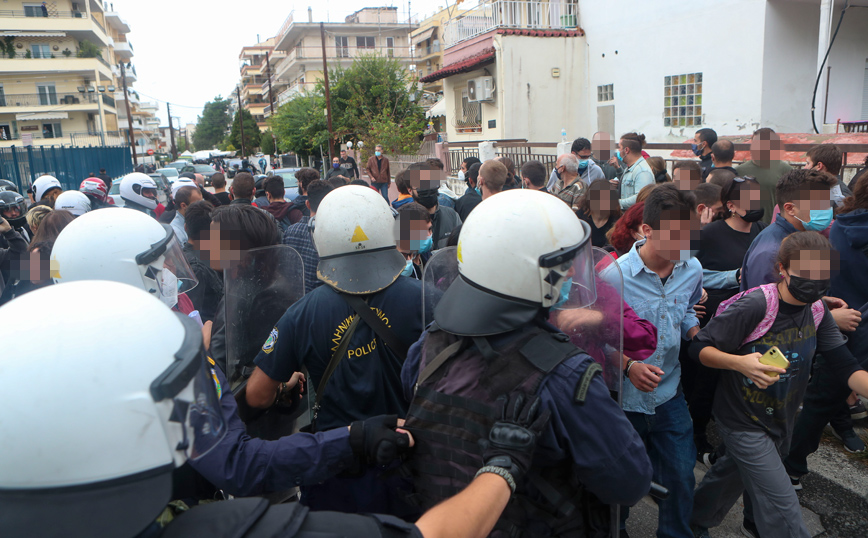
(463, 66)
(542, 33)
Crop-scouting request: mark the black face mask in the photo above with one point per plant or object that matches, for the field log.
(753, 215)
(427, 198)
(808, 291)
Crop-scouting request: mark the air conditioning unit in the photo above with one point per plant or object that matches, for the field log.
(480, 89)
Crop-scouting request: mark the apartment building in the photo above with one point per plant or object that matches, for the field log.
(59, 76)
(371, 30)
(254, 80)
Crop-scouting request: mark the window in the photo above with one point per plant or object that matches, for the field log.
(34, 10)
(2, 96)
(682, 100)
(5, 132)
(342, 46)
(390, 46)
(47, 94)
(51, 130)
(365, 42)
(468, 116)
(606, 93)
(40, 51)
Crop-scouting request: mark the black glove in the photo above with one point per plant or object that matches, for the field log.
(512, 440)
(375, 442)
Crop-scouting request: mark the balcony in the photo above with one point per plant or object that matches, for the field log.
(519, 14)
(114, 19)
(72, 23)
(131, 74)
(31, 100)
(153, 107)
(341, 54)
(123, 49)
(59, 63)
(108, 100)
(295, 89)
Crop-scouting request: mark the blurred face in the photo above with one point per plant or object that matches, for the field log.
(749, 199)
(676, 238)
(412, 233)
(602, 146)
(220, 249)
(603, 200)
(763, 151)
(812, 265)
(809, 199)
(686, 180)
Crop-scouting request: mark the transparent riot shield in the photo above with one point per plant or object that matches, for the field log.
(440, 271)
(258, 289)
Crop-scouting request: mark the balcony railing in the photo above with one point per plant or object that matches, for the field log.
(37, 99)
(293, 90)
(524, 14)
(36, 13)
(101, 27)
(338, 53)
(108, 100)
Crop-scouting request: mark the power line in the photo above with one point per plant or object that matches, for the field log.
(164, 101)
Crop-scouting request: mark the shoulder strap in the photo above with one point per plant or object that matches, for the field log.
(337, 356)
(818, 312)
(438, 361)
(386, 334)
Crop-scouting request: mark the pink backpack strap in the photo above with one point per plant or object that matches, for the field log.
(770, 293)
(818, 311)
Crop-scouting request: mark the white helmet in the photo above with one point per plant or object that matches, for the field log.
(75, 202)
(518, 251)
(125, 246)
(133, 189)
(99, 464)
(354, 233)
(182, 182)
(43, 184)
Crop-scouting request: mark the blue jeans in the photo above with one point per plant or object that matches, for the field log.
(668, 437)
(383, 188)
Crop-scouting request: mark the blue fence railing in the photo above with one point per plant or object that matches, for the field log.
(22, 165)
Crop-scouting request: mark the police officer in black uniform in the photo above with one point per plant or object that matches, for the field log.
(490, 338)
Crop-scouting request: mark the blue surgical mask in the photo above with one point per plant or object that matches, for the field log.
(427, 245)
(696, 150)
(478, 190)
(408, 269)
(565, 293)
(336, 165)
(618, 155)
(820, 220)
(378, 153)
(583, 164)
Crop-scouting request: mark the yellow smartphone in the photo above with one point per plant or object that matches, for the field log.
(774, 357)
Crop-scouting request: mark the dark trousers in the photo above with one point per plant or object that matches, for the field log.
(699, 383)
(824, 400)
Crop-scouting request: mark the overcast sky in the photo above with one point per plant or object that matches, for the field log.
(187, 52)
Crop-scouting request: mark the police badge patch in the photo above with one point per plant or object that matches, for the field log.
(268, 346)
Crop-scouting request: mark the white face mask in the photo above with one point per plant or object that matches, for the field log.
(169, 288)
(461, 176)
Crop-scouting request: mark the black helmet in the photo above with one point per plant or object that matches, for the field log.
(6, 185)
(9, 201)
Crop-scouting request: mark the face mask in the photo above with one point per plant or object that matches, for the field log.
(377, 153)
(565, 293)
(618, 155)
(169, 288)
(461, 176)
(696, 150)
(336, 165)
(753, 215)
(808, 291)
(427, 245)
(557, 173)
(427, 200)
(820, 220)
(583, 164)
(408, 269)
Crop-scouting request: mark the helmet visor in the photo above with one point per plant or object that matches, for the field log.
(568, 282)
(13, 209)
(175, 263)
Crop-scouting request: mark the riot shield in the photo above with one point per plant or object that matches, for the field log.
(440, 271)
(257, 291)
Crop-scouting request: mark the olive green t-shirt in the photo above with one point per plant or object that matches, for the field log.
(768, 180)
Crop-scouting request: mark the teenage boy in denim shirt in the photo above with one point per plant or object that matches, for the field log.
(662, 282)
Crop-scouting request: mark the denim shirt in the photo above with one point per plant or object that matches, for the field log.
(670, 308)
(635, 178)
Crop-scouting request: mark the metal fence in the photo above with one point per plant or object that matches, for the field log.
(22, 165)
(521, 152)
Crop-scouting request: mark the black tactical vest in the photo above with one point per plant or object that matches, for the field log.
(454, 409)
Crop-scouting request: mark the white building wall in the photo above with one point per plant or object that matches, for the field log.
(848, 57)
(725, 44)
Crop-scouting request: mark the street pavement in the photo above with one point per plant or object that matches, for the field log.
(834, 497)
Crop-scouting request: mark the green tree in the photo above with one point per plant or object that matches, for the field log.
(86, 49)
(251, 131)
(180, 144)
(300, 125)
(212, 124)
(266, 143)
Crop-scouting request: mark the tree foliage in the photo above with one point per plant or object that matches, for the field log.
(251, 131)
(266, 143)
(212, 124)
(300, 125)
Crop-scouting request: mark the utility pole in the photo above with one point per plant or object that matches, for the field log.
(172, 133)
(129, 115)
(325, 73)
(270, 99)
(240, 119)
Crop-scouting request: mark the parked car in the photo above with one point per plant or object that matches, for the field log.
(171, 173)
(204, 169)
(178, 165)
(289, 182)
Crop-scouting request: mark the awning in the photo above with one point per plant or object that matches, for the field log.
(426, 34)
(43, 116)
(32, 34)
(463, 66)
(439, 109)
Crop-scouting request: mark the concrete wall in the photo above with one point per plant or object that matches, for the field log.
(847, 59)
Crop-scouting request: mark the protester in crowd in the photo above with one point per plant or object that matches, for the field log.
(703, 140)
(627, 230)
(13, 247)
(637, 173)
(242, 189)
(662, 283)
(465, 167)
(444, 219)
(46, 189)
(360, 183)
(335, 169)
(446, 198)
(721, 177)
(803, 198)
(260, 200)
(279, 208)
(300, 237)
(107, 179)
(366, 383)
(600, 209)
(722, 154)
(533, 175)
(589, 170)
(709, 206)
(415, 242)
(472, 194)
(218, 181)
(687, 175)
(209, 291)
(348, 165)
(378, 171)
(570, 188)
(183, 198)
(790, 315)
(493, 175)
(602, 152)
(645, 192)
(722, 246)
(766, 152)
(35, 215)
(403, 186)
(828, 158)
(304, 177)
(658, 166)
(825, 401)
